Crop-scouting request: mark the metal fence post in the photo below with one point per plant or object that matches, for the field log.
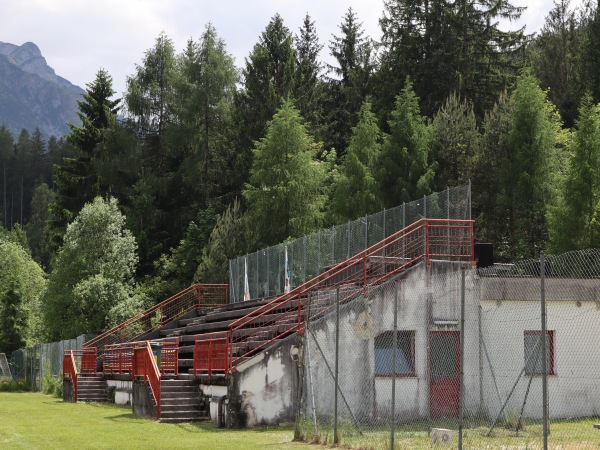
(543, 342)
(394, 350)
(461, 398)
(336, 375)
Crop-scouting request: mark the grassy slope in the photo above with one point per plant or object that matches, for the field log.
(31, 421)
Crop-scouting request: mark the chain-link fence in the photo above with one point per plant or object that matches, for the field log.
(32, 364)
(397, 359)
(308, 256)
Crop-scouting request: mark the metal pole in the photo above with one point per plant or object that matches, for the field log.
(366, 231)
(304, 262)
(461, 400)
(543, 342)
(310, 380)
(394, 350)
(319, 252)
(268, 290)
(336, 375)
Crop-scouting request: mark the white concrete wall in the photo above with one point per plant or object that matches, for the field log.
(266, 385)
(428, 293)
(122, 391)
(574, 389)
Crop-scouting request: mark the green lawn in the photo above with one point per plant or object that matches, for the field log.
(38, 421)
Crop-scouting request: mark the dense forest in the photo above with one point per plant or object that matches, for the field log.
(201, 161)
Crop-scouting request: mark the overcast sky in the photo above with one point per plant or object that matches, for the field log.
(78, 37)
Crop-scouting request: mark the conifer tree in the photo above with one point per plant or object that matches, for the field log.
(76, 181)
(285, 194)
(406, 171)
(348, 82)
(355, 191)
(572, 221)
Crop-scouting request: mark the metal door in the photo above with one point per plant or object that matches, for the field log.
(444, 375)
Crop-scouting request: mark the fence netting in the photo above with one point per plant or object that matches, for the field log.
(396, 358)
(33, 363)
(310, 255)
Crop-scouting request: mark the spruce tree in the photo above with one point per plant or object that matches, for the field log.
(355, 191)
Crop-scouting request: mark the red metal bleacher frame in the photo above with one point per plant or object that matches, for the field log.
(196, 295)
(425, 239)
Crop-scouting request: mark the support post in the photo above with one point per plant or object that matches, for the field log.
(394, 350)
(336, 438)
(543, 342)
(461, 399)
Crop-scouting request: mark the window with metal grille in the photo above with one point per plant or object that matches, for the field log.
(405, 353)
(533, 352)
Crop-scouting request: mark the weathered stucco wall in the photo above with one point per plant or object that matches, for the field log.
(573, 389)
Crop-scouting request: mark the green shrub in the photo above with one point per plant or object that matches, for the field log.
(20, 385)
(52, 385)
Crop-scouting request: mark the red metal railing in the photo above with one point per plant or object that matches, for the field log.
(197, 295)
(76, 362)
(70, 370)
(425, 239)
(118, 358)
(211, 354)
(144, 366)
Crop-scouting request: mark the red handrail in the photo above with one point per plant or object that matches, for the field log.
(84, 358)
(196, 295)
(70, 370)
(425, 239)
(144, 366)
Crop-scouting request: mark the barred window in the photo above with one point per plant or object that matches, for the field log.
(533, 352)
(405, 353)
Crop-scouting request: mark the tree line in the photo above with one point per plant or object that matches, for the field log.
(201, 161)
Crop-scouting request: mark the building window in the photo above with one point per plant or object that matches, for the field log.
(405, 353)
(533, 352)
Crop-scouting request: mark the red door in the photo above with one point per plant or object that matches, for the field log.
(444, 375)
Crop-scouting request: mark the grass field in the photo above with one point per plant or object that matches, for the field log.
(38, 421)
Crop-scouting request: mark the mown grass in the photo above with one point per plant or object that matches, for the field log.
(38, 421)
(576, 434)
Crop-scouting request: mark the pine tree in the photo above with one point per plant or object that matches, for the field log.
(572, 220)
(76, 181)
(285, 193)
(355, 191)
(454, 142)
(530, 174)
(269, 77)
(555, 59)
(590, 54)
(309, 89)
(406, 171)
(349, 81)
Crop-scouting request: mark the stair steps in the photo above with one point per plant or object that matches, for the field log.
(180, 401)
(92, 389)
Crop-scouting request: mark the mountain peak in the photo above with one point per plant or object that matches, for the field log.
(34, 96)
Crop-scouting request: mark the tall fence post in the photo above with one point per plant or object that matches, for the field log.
(543, 342)
(394, 350)
(461, 398)
(336, 439)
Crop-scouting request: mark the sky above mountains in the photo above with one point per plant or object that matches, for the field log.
(78, 37)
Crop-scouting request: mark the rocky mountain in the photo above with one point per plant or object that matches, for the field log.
(32, 95)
